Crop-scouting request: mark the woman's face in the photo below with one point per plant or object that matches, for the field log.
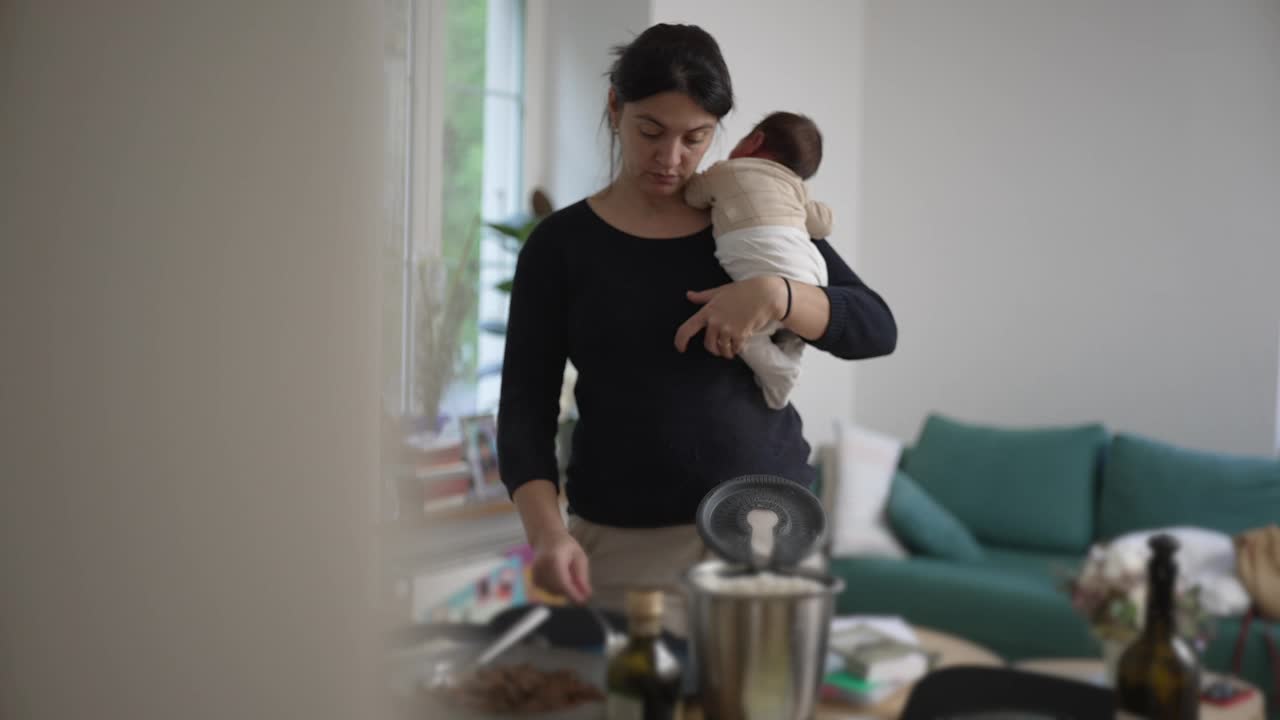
(663, 138)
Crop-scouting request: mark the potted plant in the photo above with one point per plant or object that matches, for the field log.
(514, 233)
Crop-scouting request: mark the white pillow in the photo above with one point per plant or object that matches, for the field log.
(862, 464)
(1205, 557)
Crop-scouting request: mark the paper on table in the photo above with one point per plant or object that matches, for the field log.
(890, 625)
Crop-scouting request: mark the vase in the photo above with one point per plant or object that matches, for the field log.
(1112, 648)
(1111, 652)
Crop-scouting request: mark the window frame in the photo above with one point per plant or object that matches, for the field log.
(424, 181)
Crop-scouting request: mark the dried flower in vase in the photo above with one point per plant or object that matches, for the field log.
(1110, 591)
(446, 298)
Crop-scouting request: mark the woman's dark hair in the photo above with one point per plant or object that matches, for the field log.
(684, 58)
(663, 58)
(794, 140)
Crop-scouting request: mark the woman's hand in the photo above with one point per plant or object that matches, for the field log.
(732, 313)
(559, 563)
(560, 566)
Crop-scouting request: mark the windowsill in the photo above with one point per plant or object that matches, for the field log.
(480, 508)
(437, 542)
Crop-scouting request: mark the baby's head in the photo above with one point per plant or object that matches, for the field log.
(787, 138)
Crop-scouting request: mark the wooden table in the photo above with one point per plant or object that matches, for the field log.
(951, 650)
(1254, 708)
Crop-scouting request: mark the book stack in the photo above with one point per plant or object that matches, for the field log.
(434, 475)
(436, 472)
(870, 659)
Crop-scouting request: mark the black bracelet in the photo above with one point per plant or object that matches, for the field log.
(788, 312)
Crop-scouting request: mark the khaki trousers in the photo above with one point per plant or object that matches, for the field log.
(623, 559)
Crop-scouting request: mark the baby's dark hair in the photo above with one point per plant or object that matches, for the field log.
(793, 140)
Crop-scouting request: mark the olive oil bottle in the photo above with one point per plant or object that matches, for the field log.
(644, 677)
(1158, 677)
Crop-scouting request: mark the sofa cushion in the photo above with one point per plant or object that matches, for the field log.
(862, 463)
(1148, 484)
(1026, 488)
(1058, 568)
(1017, 615)
(925, 526)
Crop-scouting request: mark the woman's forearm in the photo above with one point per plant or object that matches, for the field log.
(810, 310)
(539, 506)
(849, 319)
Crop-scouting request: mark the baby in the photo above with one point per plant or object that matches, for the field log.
(763, 221)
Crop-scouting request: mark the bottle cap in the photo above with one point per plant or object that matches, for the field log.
(1163, 545)
(644, 603)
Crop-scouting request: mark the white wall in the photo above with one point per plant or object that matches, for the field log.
(576, 51)
(189, 207)
(1073, 209)
(806, 61)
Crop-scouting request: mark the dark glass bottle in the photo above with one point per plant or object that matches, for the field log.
(644, 677)
(1158, 677)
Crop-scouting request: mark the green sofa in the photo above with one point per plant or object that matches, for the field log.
(997, 518)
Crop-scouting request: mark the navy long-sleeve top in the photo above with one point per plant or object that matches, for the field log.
(657, 428)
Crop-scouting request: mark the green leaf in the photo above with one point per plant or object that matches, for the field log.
(496, 327)
(519, 233)
(510, 231)
(504, 286)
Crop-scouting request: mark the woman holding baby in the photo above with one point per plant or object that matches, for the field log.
(683, 301)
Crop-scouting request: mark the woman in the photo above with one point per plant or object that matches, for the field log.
(627, 286)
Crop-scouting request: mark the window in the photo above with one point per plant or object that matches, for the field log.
(455, 122)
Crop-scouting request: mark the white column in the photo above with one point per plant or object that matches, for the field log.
(190, 209)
